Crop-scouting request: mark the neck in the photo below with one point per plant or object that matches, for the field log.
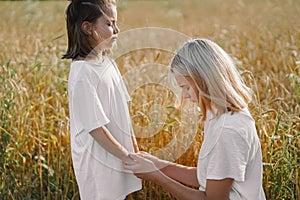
(97, 58)
(93, 56)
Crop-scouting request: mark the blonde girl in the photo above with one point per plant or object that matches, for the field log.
(230, 161)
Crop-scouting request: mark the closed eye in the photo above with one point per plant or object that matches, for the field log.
(109, 23)
(186, 87)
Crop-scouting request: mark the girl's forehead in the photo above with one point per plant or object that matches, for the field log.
(110, 12)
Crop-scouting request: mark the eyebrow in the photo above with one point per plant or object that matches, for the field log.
(111, 20)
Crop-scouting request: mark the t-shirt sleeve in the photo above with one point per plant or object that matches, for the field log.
(87, 108)
(229, 157)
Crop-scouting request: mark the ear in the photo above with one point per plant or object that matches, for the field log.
(86, 27)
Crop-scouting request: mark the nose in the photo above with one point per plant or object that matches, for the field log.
(116, 29)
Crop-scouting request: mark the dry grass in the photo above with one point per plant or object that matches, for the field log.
(262, 36)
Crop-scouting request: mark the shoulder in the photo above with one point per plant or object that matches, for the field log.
(236, 132)
(112, 63)
(229, 129)
(239, 126)
(232, 120)
(239, 117)
(238, 121)
(81, 67)
(83, 71)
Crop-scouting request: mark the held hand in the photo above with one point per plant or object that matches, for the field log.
(160, 164)
(128, 160)
(142, 167)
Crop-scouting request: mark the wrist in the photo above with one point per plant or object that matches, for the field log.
(159, 177)
(125, 155)
(164, 165)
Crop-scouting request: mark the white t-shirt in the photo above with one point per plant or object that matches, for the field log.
(98, 97)
(231, 149)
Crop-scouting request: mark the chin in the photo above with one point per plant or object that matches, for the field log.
(108, 44)
(111, 44)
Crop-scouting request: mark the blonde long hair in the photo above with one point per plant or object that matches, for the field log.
(215, 75)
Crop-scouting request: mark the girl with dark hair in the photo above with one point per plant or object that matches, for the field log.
(100, 124)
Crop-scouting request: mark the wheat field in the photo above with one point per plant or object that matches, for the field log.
(262, 36)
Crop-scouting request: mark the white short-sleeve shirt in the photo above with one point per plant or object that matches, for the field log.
(231, 149)
(98, 97)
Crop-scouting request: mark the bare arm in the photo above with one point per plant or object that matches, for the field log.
(181, 173)
(178, 190)
(110, 144)
(134, 142)
(145, 169)
(215, 189)
(218, 189)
